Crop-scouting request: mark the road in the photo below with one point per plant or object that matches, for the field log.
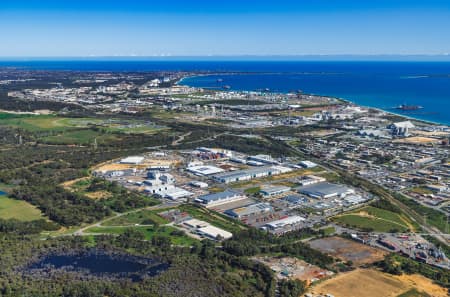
(82, 231)
(430, 230)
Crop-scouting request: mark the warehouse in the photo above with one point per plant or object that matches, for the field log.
(214, 232)
(283, 223)
(325, 190)
(177, 193)
(295, 200)
(198, 184)
(134, 160)
(274, 191)
(168, 191)
(310, 180)
(204, 170)
(249, 210)
(307, 164)
(248, 174)
(263, 159)
(220, 198)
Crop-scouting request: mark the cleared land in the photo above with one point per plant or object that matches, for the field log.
(80, 137)
(375, 219)
(55, 123)
(417, 140)
(348, 250)
(176, 236)
(16, 209)
(293, 268)
(143, 217)
(373, 283)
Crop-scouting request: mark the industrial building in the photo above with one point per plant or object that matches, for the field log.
(295, 200)
(133, 160)
(274, 190)
(214, 232)
(401, 128)
(248, 174)
(310, 180)
(283, 223)
(325, 190)
(206, 229)
(198, 184)
(307, 164)
(220, 198)
(266, 159)
(249, 210)
(204, 170)
(168, 191)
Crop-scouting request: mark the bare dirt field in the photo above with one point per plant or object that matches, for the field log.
(294, 268)
(147, 163)
(417, 140)
(348, 250)
(373, 283)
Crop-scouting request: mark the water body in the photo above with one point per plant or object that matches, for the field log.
(376, 83)
(101, 264)
(3, 193)
(380, 85)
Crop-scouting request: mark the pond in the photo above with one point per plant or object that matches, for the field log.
(101, 264)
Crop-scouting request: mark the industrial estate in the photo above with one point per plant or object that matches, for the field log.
(284, 194)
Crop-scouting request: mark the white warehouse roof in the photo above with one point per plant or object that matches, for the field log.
(132, 160)
(213, 232)
(285, 222)
(205, 169)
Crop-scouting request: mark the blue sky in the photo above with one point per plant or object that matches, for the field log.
(229, 27)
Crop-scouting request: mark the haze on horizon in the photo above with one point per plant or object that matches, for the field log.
(50, 28)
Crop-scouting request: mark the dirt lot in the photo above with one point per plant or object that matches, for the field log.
(417, 140)
(372, 283)
(147, 163)
(348, 250)
(294, 268)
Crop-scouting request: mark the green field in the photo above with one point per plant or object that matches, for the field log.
(35, 123)
(149, 232)
(16, 209)
(252, 190)
(79, 137)
(143, 217)
(376, 219)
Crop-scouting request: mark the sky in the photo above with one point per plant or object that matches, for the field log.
(64, 28)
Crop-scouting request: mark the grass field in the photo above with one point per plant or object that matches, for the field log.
(375, 219)
(149, 232)
(16, 209)
(55, 123)
(79, 137)
(144, 217)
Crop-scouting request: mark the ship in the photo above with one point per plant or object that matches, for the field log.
(408, 107)
(227, 87)
(219, 80)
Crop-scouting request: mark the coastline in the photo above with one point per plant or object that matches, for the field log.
(406, 117)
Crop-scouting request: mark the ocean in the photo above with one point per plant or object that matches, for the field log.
(379, 84)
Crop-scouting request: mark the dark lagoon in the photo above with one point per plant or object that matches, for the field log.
(100, 264)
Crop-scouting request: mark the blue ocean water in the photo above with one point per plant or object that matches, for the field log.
(370, 83)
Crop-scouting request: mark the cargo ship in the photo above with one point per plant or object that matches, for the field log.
(408, 107)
